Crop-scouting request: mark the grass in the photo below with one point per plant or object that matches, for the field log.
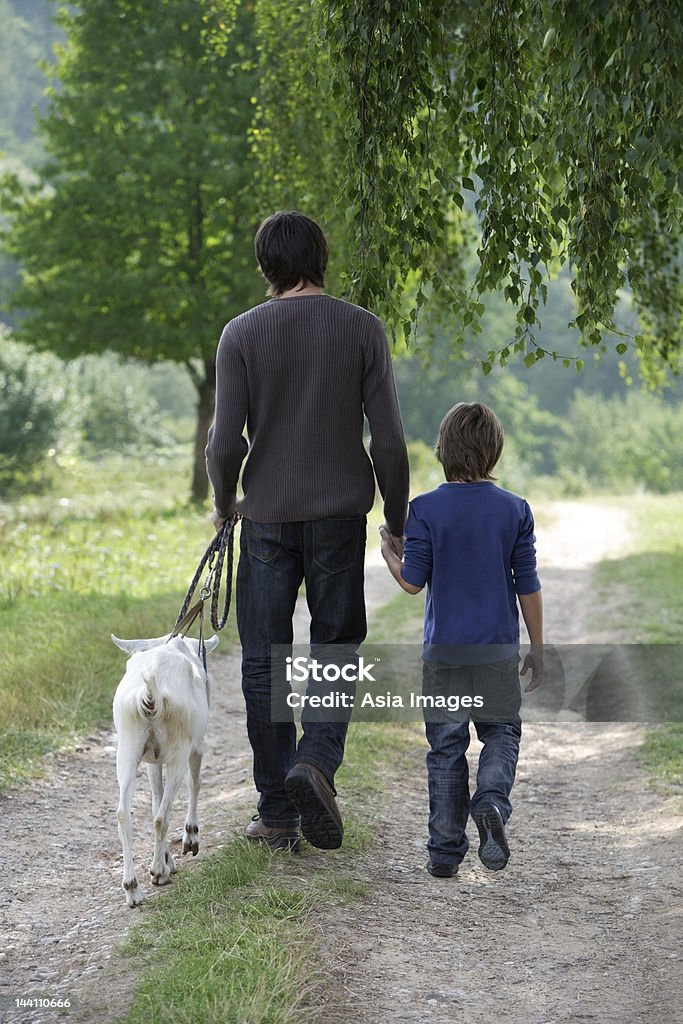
(233, 940)
(113, 550)
(650, 577)
(229, 943)
(400, 621)
(662, 752)
(650, 574)
(236, 935)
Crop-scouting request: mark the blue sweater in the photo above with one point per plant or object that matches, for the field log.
(473, 545)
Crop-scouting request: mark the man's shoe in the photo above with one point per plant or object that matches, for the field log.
(273, 838)
(321, 822)
(442, 870)
(493, 848)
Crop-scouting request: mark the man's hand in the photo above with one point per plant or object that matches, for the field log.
(217, 519)
(395, 543)
(533, 663)
(394, 560)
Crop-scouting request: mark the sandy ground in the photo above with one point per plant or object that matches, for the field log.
(584, 924)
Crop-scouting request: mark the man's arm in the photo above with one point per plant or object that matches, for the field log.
(226, 446)
(387, 443)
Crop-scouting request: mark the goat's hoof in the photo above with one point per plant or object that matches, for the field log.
(134, 893)
(191, 839)
(161, 878)
(160, 870)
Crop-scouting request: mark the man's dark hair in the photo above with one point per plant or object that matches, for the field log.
(470, 442)
(291, 247)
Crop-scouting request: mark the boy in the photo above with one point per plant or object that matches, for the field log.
(473, 545)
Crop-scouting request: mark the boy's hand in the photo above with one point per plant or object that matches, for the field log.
(387, 548)
(392, 542)
(533, 663)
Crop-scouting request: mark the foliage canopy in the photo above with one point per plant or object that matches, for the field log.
(558, 123)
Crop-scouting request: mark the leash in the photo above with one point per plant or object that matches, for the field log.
(215, 557)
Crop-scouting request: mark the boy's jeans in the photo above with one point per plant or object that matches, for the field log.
(275, 558)
(448, 734)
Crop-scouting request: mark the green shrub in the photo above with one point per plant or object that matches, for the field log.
(621, 444)
(111, 407)
(30, 401)
(94, 405)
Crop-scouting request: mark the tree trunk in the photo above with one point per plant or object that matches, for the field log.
(206, 389)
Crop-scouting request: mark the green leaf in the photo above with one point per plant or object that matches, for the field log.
(549, 38)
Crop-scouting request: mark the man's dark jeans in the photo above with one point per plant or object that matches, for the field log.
(329, 555)
(448, 734)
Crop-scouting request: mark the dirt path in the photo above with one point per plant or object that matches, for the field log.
(583, 925)
(62, 911)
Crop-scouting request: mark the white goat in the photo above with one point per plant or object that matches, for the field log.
(161, 710)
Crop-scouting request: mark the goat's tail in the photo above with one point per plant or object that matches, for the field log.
(149, 701)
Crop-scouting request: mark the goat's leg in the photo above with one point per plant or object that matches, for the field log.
(126, 768)
(156, 784)
(191, 834)
(162, 865)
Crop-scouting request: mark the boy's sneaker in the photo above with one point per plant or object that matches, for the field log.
(493, 848)
(442, 870)
(273, 838)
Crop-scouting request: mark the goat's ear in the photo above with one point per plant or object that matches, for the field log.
(132, 646)
(211, 644)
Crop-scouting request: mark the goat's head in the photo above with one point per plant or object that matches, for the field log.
(133, 646)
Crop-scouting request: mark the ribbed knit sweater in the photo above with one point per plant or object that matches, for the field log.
(301, 373)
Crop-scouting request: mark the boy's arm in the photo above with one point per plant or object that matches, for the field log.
(394, 563)
(532, 613)
(528, 588)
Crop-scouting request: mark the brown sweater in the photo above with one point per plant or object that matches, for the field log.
(301, 373)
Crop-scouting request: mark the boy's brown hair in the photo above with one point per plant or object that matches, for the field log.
(470, 442)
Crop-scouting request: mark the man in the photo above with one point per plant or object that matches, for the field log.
(301, 370)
